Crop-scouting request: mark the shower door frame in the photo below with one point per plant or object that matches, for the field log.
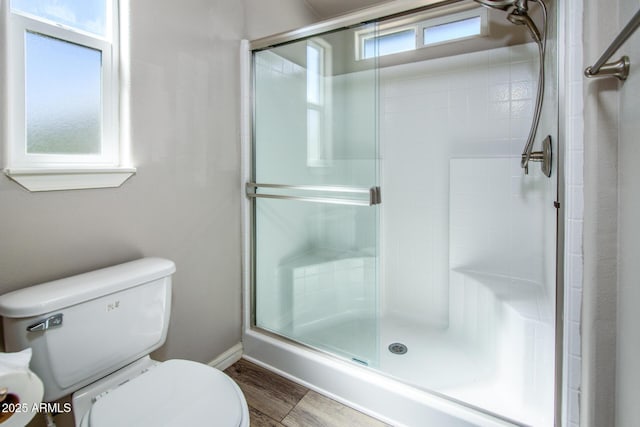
(385, 11)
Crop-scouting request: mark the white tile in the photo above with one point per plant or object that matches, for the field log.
(574, 243)
(519, 128)
(499, 74)
(576, 177)
(577, 134)
(575, 101)
(499, 56)
(499, 109)
(575, 305)
(523, 52)
(574, 377)
(524, 71)
(575, 266)
(522, 90)
(499, 129)
(575, 348)
(499, 92)
(522, 109)
(574, 407)
(576, 202)
(458, 100)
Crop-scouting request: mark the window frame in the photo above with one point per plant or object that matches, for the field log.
(418, 25)
(48, 171)
(372, 35)
(481, 13)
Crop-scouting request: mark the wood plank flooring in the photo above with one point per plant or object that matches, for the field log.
(275, 401)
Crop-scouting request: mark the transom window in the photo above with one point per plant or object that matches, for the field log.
(401, 36)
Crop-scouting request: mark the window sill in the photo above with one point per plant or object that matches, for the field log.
(69, 179)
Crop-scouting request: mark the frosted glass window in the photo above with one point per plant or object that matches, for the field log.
(63, 97)
(452, 30)
(387, 44)
(84, 15)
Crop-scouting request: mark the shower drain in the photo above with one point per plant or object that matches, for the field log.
(397, 348)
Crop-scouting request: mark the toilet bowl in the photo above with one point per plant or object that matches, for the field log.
(91, 336)
(174, 393)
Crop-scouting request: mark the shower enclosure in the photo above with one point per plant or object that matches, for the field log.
(392, 226)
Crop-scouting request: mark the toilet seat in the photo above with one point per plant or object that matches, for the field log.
(174, 393)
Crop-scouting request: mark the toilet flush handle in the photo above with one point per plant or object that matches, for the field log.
(44, 324)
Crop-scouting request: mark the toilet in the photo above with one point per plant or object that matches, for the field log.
(91, 336)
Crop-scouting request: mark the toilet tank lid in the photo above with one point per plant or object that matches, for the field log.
(62, 293)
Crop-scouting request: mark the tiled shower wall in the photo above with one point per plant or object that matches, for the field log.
(474, 106)
(628, 350)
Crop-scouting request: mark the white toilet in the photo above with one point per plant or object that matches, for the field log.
(91, 335)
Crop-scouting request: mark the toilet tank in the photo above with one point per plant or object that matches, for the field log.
(84, 327)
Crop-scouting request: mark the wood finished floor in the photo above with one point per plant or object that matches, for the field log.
(275, 401)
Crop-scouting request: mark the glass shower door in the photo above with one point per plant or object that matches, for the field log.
(315, 195)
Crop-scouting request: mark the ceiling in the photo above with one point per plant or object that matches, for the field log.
(329, 8)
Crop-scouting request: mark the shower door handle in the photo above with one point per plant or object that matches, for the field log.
(373, 193)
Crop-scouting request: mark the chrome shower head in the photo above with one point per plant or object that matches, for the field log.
(522, 18)
(519, 15)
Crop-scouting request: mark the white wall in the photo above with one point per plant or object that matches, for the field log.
(628, 356)
(182, 204)
(610, 344)
(267, 17)
(597, 401)
(184, 96)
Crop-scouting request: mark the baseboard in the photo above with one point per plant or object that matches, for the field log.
(228, 358)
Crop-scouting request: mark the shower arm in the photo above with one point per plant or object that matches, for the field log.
(527, 153)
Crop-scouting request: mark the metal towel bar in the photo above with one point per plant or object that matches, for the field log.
(620, 68)
(373, 192)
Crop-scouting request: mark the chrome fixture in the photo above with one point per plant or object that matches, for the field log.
(544, 156)
(397, 348)
(620, 68)
(44, 324)
(373, 193)
(520, 16)
(505, 4)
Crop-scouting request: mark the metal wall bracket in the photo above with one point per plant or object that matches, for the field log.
(618, 69)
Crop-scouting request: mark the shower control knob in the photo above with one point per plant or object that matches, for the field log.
(544, 157)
